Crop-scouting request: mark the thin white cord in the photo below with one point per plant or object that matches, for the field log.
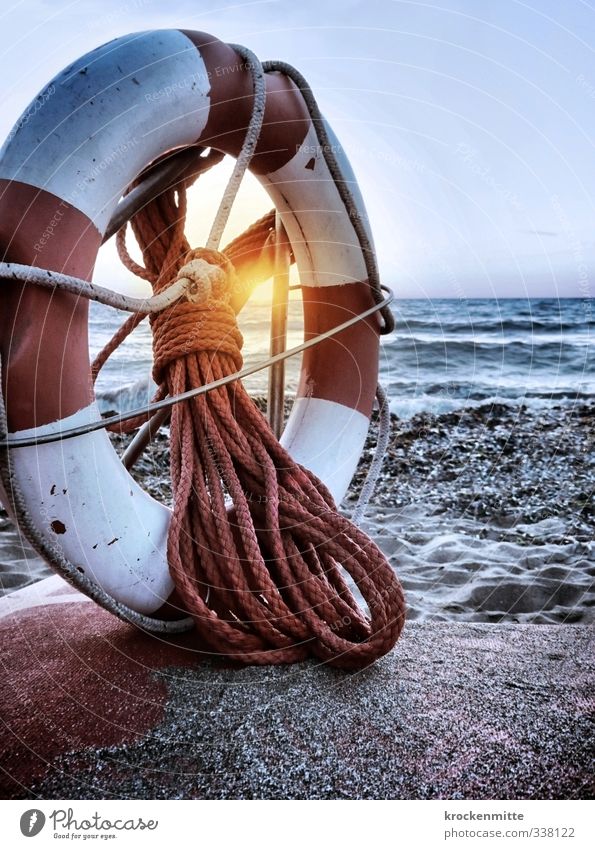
(371, 480)
(54, 280)
(248, 147)
(97, 293)
(157, 303)
(154, 406)
(66, 283)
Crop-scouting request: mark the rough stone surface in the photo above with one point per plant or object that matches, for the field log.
(456, 711)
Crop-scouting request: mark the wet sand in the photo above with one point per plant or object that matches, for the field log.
(488, 515)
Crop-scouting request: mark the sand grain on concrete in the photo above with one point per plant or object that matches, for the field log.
(456, 711)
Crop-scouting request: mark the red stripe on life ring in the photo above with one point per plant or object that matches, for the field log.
(43, 334)
(343, 368)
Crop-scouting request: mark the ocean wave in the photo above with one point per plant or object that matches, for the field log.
(405, 406)
(123, 399)
(444, 354)
(453, 324)
(535, 340)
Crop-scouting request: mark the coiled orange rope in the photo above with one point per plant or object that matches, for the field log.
(256, 547)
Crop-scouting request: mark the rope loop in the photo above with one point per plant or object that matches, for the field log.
(261, 558)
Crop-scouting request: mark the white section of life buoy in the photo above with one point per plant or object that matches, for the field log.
(154, 83)
(325, 245)
(326, 438)
(84, 502)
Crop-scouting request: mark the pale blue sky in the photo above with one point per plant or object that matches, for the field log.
(471, 125)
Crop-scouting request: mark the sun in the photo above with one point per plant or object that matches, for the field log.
(251, 203)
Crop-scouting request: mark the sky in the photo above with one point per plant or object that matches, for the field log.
(470, 124)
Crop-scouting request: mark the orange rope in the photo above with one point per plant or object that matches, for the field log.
(262, 578)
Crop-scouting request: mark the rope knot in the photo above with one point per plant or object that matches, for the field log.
(203, 321)
(200, 279)
(210, 275)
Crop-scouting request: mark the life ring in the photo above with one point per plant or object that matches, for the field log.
(64, 167)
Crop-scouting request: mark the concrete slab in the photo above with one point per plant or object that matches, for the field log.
(95, 709)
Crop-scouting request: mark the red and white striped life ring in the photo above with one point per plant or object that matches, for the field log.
(62, 171)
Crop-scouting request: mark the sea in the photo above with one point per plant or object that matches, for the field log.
(444, 354)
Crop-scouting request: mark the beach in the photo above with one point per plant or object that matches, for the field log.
(487, 513)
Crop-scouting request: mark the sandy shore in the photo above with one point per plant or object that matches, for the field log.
(487, 514)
